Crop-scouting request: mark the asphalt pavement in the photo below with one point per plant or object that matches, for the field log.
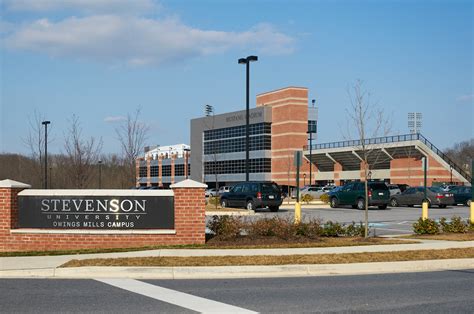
(431, 292)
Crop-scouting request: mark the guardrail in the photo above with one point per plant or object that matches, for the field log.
(393, 139)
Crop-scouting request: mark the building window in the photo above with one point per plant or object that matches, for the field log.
(189, 170)
(237, 131)
(258, 165)
(143, 172)
(261, 142)
(166, 171)
(179, 170)
(154, 171)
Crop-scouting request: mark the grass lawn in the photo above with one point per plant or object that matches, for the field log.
(240, 244)
(276, 260)
(469, 236)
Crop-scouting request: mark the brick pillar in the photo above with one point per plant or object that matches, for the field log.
(148, 171)
(137, 171)
(190, 211)
(9, 190)
(173, 157)
(362, 172)
(186, 160)
(337, 173)
(160, 175)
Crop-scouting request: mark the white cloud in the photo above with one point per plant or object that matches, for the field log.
(139, 41)
(112, 119)
(465, 98)
(85, 6)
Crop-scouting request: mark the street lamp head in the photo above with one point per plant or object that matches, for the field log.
(45, 122)
(100, 161)
(252, 58)
(313, 101)
(242, 61)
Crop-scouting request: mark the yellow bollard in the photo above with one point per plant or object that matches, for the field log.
(424, 210)
(472, 213)
(297, 213)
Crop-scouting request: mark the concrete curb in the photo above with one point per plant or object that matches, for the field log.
(243, 271)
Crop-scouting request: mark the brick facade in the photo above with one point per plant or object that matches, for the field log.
(289, 131)
(189, 228)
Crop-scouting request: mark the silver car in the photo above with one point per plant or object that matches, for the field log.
(414, 196)
(315, 192)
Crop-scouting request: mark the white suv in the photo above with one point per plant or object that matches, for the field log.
(394, 189)
(223, 189)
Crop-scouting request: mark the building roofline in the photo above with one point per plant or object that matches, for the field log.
(283, 88)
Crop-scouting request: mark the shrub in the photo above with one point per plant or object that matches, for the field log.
(355, 230)
(332, 229)
(214, 200)
(324, 198)
(311, 229)
(272, 227)
(307, 198)
(225, 227)
(427, 226)
(456, 225)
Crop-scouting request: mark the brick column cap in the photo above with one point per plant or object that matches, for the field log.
(188, 183)
(7, 183)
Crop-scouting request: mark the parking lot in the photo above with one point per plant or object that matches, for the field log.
(393, 220)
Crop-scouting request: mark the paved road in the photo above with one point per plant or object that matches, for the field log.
(435, 292)
(393, 220)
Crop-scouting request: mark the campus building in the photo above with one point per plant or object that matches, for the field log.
(163, 165)
(279, 127)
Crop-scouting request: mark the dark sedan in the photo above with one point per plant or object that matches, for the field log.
(414, 196)
(462, 195)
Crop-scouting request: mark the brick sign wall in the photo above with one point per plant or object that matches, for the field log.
(187, 225)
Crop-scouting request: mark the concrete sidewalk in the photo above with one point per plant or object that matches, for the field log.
(48, 266)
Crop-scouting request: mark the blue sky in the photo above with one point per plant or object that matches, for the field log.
(102, 59)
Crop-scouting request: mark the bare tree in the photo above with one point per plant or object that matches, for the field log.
(34, 141)
(462, 153)
(369, 120)
(81, 155)
(132, 135)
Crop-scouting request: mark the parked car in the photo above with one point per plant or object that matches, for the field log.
(211, 192)
(414, 196)
(315, 192)
(313, 188)
(403, 187)
(328, 188)
(252, 195)
(353, 194)
(462, 195)
(394, 189)
(223, 189)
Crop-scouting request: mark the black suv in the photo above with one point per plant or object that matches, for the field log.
(354, 194)
(252, 195)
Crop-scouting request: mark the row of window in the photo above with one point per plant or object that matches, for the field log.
(263, 142)
(236, 131)
(165, 171)
(258, 165)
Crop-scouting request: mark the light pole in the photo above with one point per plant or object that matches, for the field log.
(100, 173)
(311, 130)
(45, 123)
(247, 61)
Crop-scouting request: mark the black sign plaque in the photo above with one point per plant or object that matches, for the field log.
(96, 212)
